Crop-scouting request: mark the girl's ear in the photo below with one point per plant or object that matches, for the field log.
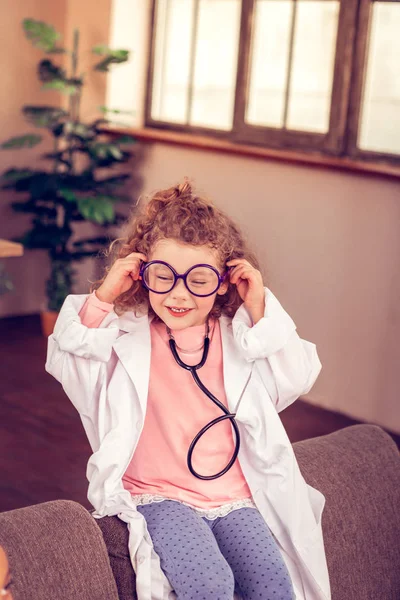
(225, 285)
(223, 288)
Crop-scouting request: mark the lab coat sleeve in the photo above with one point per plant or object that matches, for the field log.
(77, 355)
(293, 362)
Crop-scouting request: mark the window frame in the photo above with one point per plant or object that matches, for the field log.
(357, 89)
(346, 96)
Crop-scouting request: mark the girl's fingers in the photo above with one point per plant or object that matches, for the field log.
(132, 261)
(238, 261)
(238, 269)
(242, 272)
(135, 256)
(135, 274)
(140, 254)
(240, 266)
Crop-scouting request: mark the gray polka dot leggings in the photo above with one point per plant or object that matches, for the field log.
(209, 560)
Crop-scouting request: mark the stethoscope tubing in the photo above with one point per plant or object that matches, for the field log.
(227, 415)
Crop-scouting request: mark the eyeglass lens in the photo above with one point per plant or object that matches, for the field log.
(160, 278)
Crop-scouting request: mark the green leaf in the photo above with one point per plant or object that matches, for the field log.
(106, 210)
(115, 111)
(96, 241)
(41, 185)
(57, 157)
(45, 235)
(106, 198)
(100, 49)
(110, 183)
(22, 141)
(104, 65)
(60, 86)
(31, 206)
(110, 57)
(68, 195)
(104, 150)
(13, 175)
(41, 35)
(48, 71)
(79, 130)
(116, 152)
(44, 116)
(125, 139)
(97, 209)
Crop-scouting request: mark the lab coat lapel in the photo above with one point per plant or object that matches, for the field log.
(237, 370)
(134, 350)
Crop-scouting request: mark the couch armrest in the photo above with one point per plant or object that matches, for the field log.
(56, 552)
(358, 471)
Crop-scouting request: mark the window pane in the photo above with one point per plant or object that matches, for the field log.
(307, 89)
(174, 24)
(380, 115)
(313, 64)
(270, 54)
(199, 91)
(216, 63)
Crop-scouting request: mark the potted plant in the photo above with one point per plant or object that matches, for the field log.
(78, 185)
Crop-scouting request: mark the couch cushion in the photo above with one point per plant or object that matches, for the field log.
(115, 534)
(56, 552)
(358, 471)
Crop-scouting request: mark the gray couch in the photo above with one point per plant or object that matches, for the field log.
(58, 551)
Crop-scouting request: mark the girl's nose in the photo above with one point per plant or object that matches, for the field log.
(180, 290)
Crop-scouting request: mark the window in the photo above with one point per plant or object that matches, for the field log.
(195, 62)
(375, 114)
(315, 75)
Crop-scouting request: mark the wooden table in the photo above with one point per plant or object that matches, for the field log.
(10, 249)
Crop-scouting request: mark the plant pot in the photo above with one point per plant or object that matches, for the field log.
(48, 319)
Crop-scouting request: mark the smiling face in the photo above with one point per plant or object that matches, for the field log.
(5, 577)
(179, 308)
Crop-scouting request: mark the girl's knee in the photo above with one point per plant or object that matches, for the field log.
(270, 590)
(218, 588)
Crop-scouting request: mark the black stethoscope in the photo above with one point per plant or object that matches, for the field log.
(227, 415)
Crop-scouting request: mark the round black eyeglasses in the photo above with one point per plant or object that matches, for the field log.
(201, 280)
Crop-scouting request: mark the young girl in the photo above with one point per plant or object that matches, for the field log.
(179, 364)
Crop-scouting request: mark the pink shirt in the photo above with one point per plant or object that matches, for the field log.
(176, 410)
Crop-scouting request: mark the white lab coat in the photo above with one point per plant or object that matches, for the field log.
(105, 373)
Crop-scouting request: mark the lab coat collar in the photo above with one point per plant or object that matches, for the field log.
(129, 322)
(237, 370)
(134, 350)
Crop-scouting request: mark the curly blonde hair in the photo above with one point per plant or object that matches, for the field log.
(178, 213)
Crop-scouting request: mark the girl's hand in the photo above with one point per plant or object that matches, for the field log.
(120, 276)
(250, 286)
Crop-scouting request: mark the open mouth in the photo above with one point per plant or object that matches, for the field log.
(178, 312)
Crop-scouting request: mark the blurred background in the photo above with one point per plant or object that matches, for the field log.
(285, 112)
